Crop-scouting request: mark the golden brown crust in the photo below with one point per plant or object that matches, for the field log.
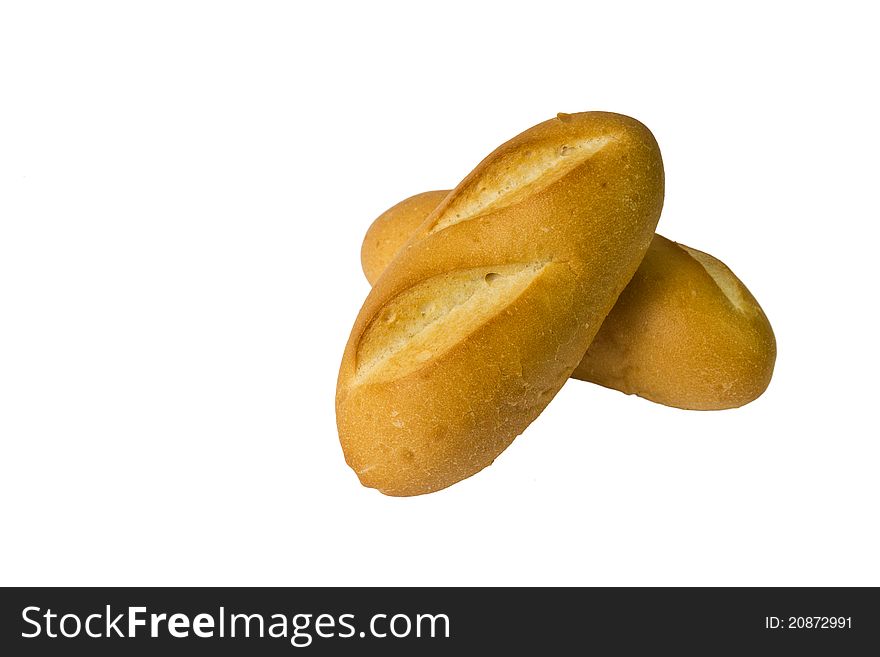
(393, 228)
(567, 209)
(685, 332)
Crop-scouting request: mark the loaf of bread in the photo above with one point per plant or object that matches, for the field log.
(685, 332)
(480, 318)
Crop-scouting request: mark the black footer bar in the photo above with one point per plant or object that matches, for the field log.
(441, 621)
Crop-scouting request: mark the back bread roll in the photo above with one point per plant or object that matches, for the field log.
(685, 332)
(478, 321)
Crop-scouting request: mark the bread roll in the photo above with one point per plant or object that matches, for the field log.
(481, 317)
(685, 332)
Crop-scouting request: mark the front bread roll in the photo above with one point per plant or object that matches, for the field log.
(481, 317)
(685, 332)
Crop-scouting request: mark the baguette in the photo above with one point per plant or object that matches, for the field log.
(685, 332)
(481, 317)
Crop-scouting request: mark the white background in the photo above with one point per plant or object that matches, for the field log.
(183, 192)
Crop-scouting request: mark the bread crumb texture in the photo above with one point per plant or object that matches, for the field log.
(516, 174)
(424, 321)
